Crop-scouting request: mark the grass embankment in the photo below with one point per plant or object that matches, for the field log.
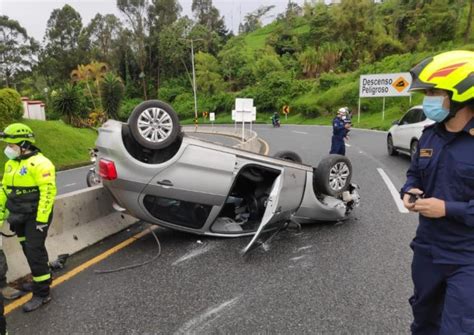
(65, 146)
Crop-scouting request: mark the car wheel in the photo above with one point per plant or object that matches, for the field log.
(289, 156)
(413, 148)
(333, 175)
(390, 149)
(154, 124)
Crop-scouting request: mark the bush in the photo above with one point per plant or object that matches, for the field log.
(111, 91)
(126, 108)
(70, 105)
(217, 103)
(11, 107)
(184, 105)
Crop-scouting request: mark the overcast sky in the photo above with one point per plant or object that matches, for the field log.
(33, 15)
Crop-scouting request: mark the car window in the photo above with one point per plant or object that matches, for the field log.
(179, 212)
(422, 115)
(410, 117)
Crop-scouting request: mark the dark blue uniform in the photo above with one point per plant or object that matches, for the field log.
(338, 134)
(443, 261)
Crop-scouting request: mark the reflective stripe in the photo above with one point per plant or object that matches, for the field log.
(21, 238)
(42, 278)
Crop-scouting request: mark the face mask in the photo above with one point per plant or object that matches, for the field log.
(433, 108)
(11, 153)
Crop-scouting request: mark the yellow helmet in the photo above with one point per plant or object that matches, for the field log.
(452, 71)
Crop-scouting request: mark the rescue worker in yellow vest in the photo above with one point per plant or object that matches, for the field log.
(26, 202)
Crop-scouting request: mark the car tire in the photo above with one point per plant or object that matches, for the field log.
(413, 148)
(390, 148)
(154, 124)
(333, 175)
(289, 156)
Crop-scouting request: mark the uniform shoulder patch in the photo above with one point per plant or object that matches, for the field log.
(426, 152)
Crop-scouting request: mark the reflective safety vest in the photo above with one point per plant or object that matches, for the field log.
(28, 186)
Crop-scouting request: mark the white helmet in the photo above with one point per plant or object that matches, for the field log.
(343, 111)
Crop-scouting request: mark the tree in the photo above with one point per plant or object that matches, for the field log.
(16, 49)
(162, 14)
(253, 20)
(102, 32)
(211, 23)
(136, 13)
(470, 18)
(65, 48)
(208, 79)
(93, 72)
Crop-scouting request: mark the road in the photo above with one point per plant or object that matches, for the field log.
(349, 278)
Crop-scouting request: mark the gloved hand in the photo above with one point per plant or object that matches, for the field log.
(41, 226)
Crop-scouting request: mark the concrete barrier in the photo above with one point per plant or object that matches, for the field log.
(85, 217)
(80, 219)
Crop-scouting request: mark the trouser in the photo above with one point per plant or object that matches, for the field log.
(3, 322)
(3, 269)
(338, 146)
(443, 300)
(33, 243)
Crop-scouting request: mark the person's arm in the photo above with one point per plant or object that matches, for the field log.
(461, 209)
(45, 177)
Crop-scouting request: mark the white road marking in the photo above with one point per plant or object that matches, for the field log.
(69, 185)
(294, 259)
(347, 145)
(192, 254)
(304, 248)
(300, 132)
(393, 191)
(198, 324)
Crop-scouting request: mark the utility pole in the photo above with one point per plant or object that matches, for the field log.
(194, 76)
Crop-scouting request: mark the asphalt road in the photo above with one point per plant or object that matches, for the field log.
(349, 278)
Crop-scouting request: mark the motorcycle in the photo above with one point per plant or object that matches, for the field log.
(93, 178)
(276, 123)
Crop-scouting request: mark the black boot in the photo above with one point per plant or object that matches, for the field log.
(27, 286)
(35, 303)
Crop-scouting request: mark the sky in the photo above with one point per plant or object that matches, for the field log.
(33, 15)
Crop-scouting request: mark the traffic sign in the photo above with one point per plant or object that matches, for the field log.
(286, 109)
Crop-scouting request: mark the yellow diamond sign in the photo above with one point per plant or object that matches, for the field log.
(400, 84)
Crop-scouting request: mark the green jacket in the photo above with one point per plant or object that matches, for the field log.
(28, 186)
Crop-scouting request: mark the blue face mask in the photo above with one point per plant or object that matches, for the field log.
(433, 108)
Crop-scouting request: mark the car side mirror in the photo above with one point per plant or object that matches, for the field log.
(396, 122)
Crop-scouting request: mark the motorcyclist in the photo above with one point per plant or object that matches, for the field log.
(276, 119)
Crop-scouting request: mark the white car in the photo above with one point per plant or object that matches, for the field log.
(404, 135)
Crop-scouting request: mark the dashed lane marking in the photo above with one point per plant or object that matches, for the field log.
(393, 191)
(300, 132)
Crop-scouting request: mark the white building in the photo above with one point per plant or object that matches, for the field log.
(33, 109)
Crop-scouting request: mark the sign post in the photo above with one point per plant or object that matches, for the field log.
(244, 112)
(384, 85)
(286, 110)
(212, 118)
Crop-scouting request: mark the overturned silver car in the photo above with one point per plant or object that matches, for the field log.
(160, 175)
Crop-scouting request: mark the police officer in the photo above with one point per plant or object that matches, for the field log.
(339, 132)
(26, 201)
(440, 187)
